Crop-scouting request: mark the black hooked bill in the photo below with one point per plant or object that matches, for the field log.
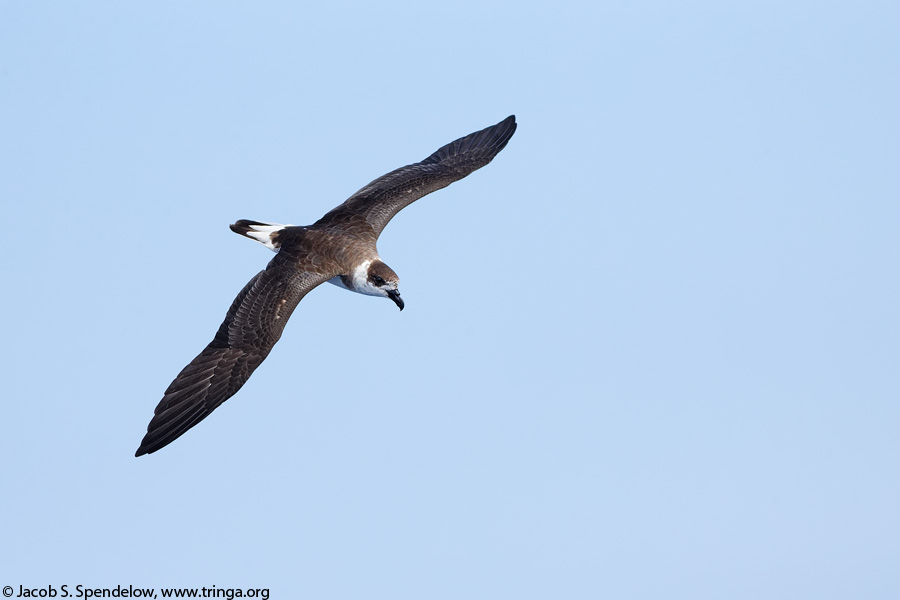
(395, 296)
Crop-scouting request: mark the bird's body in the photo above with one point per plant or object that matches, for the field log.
(340, 248)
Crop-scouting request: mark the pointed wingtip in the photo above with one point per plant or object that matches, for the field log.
(501, 132)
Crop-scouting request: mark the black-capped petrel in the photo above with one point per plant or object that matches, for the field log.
(339, 248)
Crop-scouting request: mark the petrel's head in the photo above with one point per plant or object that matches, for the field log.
(382, 281)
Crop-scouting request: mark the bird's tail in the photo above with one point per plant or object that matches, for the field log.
(264, 233)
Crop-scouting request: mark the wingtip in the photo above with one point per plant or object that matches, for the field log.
(510, 120)
(503, 132)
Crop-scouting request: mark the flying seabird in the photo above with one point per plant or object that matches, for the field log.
(339, 248)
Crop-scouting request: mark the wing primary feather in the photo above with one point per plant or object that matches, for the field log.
(243, 341)
(379, 201)
(492, 138)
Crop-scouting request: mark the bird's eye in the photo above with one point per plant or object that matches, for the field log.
(378, 280)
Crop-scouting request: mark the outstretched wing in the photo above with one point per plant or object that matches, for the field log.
(252, 326)
(379, 201)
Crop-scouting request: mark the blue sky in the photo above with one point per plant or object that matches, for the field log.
(650, 351)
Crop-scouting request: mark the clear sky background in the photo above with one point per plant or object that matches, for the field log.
(651, 351)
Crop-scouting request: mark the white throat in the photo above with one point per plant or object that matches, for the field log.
(359, 281)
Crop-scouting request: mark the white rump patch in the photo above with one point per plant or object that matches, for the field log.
(263, 234)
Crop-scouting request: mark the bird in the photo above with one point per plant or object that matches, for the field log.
(339, 248)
